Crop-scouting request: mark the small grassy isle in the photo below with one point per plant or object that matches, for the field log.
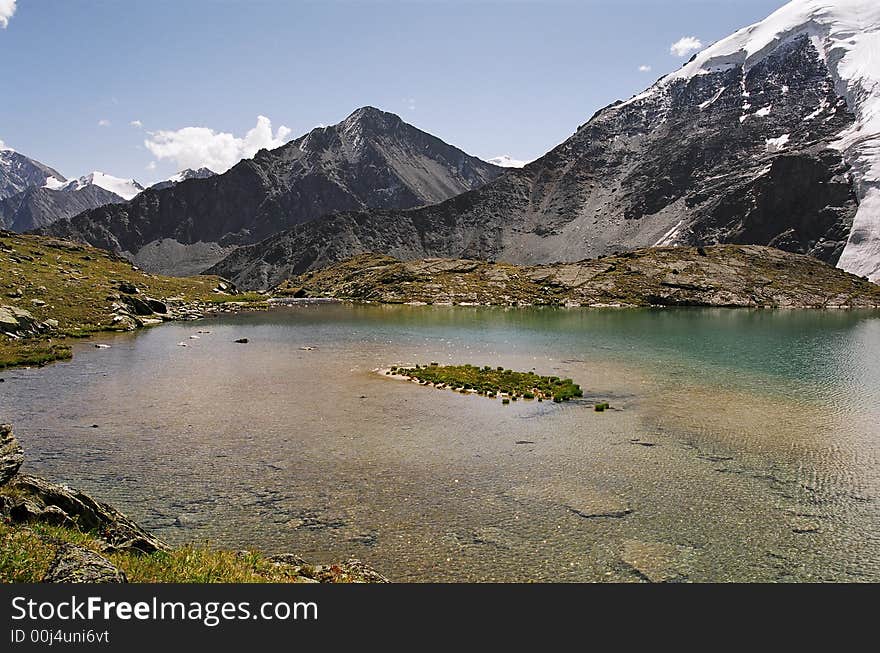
(493, 382)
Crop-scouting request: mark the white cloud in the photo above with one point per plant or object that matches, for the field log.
(7, 9)
(5, 147)
(197, 147)
(136, 123)
(151, 165)
(410, 103)
(685, 46)
(103, 123)
(645, 69)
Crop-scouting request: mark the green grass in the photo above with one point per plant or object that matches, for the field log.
(31, 353)
(26, 552)
(491, 381)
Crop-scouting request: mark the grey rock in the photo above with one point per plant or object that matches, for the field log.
(34, 499)
(19, 172)
(17, 320)
(138, 306)
(128, 288)
(11, 454)
(38, 207)
(156, 305)
(76, 564)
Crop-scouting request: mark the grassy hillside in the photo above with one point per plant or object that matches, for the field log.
(72, 290)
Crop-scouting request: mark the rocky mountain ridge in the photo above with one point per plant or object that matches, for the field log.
(372, 159)
(765, 138)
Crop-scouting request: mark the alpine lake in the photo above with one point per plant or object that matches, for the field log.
(739, 445)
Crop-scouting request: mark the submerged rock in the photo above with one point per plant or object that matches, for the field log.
(76, 564)
(657, 562)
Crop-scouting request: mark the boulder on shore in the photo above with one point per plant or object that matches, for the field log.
(35, 499)
(11, 454)
(77, 564)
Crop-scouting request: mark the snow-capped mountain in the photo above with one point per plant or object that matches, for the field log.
(184, 175)
(33, 195)
(18, 172)
(127, 189)
(846, 36)
(770, 136)
(507, 161)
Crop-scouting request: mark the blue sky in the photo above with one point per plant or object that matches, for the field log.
(493, 78)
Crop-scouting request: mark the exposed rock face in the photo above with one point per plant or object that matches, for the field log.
(11, 454)
(738, 155)
(31, 499)
(38, 207)
(723, 275)
(76, 564)
(370, 160)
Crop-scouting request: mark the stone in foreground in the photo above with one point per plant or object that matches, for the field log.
(76, 564)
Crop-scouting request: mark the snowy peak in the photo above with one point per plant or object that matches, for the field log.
(127, 189)
(189, 173)
(507, 161)
(18, 172)
(183, 175)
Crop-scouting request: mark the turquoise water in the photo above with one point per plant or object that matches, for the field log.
(743, 445)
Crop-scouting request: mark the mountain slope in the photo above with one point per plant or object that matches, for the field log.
(40, 206)
(768, 137)
(18, 173)
(371, 159)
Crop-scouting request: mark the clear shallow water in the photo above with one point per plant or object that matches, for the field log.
(744, 444)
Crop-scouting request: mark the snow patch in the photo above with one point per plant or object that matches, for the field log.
(764, 112)
(54, 184)
(669, 237)
(708, 103)
(507, 161)
(777, 144)
(127, 189)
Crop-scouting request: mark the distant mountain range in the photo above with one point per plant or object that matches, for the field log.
(372, 159)
(771, 136)
(33, 195)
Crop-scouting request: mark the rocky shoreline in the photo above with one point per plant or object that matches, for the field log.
(88, 541)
